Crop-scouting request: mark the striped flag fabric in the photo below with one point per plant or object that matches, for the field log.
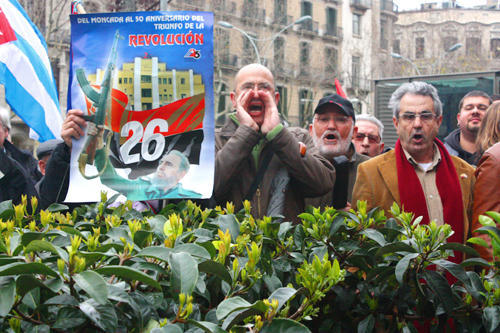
(26, 74)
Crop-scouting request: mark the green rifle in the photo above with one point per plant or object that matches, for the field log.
(101, 102)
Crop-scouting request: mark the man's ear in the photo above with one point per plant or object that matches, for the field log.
(233, 98)
(311, 129)
(354, 132)
(42, 164)
(381, 147)
(277, 97)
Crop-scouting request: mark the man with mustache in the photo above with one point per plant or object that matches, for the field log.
(462, 141)
(419, 173)
(332, 130)
(259, 159)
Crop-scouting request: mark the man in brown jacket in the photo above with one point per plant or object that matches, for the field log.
(419, 173)
(254, 141)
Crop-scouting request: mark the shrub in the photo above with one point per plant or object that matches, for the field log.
(191, 270)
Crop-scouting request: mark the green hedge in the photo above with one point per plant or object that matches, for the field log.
(102, 269)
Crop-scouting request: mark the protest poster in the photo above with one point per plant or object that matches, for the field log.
(145, 81)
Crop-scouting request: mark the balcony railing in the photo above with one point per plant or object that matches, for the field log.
(332, 31)
(361, 4)
(388, 6)
(283, 20)
(253, 14)
(309, 26)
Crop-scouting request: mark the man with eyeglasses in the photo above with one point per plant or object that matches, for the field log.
(260, 159)
(368, 135)
(332, 130)
(419, 174)
(462, 141)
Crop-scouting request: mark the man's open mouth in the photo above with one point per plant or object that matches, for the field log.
(330, 138)
(418, 138)
(255, 106)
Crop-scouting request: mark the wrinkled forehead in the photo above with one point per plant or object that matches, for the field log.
(171, 159)
(256, 75)
(365, 126)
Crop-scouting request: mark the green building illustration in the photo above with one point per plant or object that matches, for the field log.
(149, 85)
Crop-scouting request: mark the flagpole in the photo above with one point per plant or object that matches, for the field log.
(77, 7)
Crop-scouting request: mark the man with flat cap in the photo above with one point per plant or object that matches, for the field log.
(332, 129)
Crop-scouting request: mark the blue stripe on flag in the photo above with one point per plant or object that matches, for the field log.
(45, 78)
(32, 112)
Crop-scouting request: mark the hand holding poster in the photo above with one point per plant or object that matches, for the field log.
(145, 81)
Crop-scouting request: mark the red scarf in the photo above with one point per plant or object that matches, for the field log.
(413, 199)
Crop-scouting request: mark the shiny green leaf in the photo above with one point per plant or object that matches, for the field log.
(284, 326)
(129, 273)
(104, 316)
(402, 266)
(184, 272)
(94, 285)
(26, 268)
(7, 295)
(217, 269)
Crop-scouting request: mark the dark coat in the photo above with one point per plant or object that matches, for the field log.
(310, 175)
(15, 177)
(452, 144)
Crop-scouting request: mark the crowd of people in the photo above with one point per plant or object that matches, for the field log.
(341, 158)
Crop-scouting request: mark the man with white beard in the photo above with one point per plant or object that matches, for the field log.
(332, 130)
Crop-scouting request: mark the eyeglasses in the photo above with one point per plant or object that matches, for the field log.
(410, 117)
(371, 138)
(338, 120)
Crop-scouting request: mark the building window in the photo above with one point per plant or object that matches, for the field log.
(279, 53)
(125, 80)
(331, 21)
(280, 12)
(164, 80)
(396, 48)
(356, 24)
(306, 9)
(495, 48)
(305, 106)
(448, 42)
(146, 92)
(183, 80)
(145, 78)
(250, 8)
(419, 47)
(283, 101)
(473, 46)
(222, 45)
(384, 42)
(183, 95)
(120, 80)
(304, 58)
(331, 57)
(356, 71)
(169, 80)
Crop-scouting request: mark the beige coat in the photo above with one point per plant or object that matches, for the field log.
(377, 183)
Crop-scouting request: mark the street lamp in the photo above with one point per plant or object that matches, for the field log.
(436, 66)
(271, 39)
(250, 38)
(399, 56)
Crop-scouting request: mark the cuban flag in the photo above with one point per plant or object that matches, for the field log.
(25, 72)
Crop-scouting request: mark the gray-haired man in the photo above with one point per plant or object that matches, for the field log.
(367, 136)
